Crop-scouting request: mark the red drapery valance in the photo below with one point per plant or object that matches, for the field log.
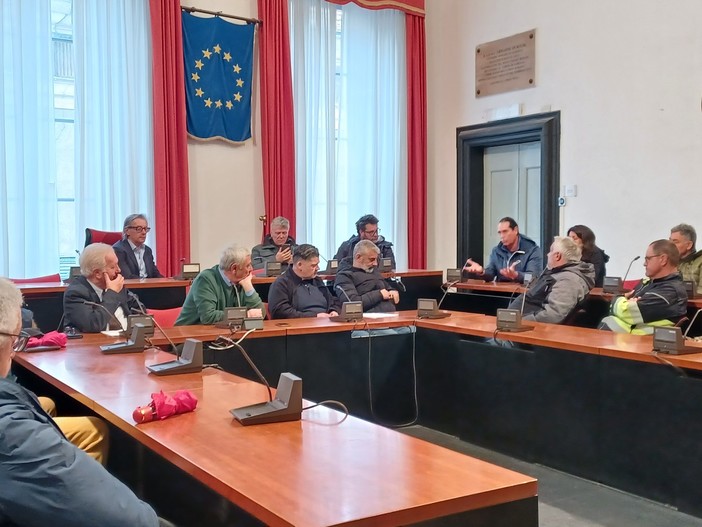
(411, 7)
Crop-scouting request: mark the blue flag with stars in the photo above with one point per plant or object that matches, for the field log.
(218, 59)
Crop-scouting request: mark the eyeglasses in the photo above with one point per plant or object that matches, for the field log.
(20, 342)
(648, 258)
(140, 229)
(372, 233)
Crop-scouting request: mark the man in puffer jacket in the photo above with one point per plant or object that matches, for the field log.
(360, 280)
(561, 287)
(511, 258)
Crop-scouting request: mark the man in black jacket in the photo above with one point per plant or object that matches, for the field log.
(135, 258)
(366, 229)
(299, 292)
(97, 300)
(360, 279)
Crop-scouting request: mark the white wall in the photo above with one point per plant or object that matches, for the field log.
(627, 79)
(226, 185)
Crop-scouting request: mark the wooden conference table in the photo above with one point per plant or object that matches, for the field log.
(313, 472)
(45, 299)
(592, 403)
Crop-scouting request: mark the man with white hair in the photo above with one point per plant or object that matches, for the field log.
(227, 284)
(276, 247)
(45, 479)
(97, 300)
(565, 283)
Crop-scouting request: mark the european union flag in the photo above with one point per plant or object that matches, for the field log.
(218, 71)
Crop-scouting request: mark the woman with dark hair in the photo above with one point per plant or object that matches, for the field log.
(585, 239)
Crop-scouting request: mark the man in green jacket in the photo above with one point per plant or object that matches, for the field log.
(225, 285)
(690, 267)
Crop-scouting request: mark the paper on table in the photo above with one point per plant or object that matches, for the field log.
(112, 332)
(380, 315)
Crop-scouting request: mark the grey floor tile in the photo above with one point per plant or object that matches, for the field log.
(569, 501)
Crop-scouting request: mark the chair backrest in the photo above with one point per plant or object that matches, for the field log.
(48, 278)
(165, 317)
(96, 236)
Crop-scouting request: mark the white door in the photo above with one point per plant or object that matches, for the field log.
(512, 188)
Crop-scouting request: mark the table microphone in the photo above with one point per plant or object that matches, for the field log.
(112, 315)
(142, 310)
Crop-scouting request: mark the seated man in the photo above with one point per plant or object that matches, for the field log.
(511, 258)
(272, 249)
(299, 293)
(360, 279)
(684, 237)
(135, 258)
(45, 479)
(97, 300)
(367, 229)
(225, 285)
(658, 300)
(561, 287)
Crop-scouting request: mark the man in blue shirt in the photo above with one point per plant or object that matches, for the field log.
(135, 258)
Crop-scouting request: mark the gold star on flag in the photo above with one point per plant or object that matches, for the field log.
(229, 105)
(237, 68)
(198, 64)
(218, 103)
(208, 102)
(199, 92)
(237, 97)
(207, 53)
(195, 77)
(227, 56)
(240, 82)
(217, 48)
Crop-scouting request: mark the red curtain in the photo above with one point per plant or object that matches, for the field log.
(277, 131)
(172, 189)
(416, 142)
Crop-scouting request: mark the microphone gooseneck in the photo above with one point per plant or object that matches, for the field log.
(111, 315)
(629, 268)
(691, 323)
(342, 290)
(448, 286)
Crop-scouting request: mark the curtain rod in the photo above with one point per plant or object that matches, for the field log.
(219, 13)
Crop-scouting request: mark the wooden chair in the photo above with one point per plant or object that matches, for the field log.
(38, 279)
(96, 236)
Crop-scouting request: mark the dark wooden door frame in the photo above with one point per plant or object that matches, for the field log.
(471, 142)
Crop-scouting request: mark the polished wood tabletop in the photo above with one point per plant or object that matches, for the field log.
(313, 472)
(131, 283)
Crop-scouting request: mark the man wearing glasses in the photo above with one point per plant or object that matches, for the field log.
(45, 479)
(659, 299)
(367, 229)
(136, 259)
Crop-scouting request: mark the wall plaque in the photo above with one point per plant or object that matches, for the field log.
(505, 65)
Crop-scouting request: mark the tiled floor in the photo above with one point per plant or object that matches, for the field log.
(568, 501)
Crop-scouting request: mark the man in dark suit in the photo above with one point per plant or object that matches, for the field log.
(136, 259)
(97, 300)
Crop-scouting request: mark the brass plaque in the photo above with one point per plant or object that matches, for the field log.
(505, 65)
